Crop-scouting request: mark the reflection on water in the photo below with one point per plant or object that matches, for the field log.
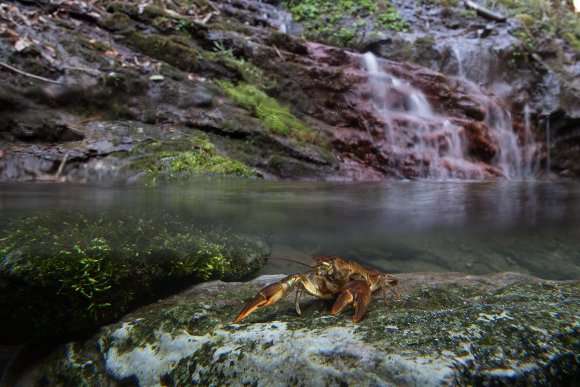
(395, 226)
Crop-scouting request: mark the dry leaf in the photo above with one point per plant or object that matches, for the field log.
(22, 44)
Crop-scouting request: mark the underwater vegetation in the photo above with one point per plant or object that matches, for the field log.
(81, 271)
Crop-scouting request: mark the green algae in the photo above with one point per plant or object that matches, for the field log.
(521, 332)
(100, 266)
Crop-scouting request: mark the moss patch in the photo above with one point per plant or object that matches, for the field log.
(274, 117)
(173, 49)
(182, 158)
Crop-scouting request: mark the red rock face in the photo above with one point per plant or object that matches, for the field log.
(402, 120)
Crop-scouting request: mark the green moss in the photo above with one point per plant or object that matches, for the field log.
(182, 158)
(342, 22)
(274, 117)
(173, 49)
(117, 21)
(249, 72)
(99, 266)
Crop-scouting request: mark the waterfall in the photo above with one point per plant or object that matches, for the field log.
(548, 161)
(530, 148)
(460, 71)
(417, 135)
(435, 142)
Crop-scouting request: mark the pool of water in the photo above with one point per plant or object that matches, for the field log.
(479, 227)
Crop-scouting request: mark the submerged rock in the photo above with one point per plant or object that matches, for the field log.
(62, 275)
(449, 328)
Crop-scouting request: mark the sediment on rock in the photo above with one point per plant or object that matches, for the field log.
(448, 328)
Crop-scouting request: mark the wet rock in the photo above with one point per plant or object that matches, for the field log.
(448, 328)
(39, 127)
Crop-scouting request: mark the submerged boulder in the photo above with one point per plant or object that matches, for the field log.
(448, 328)
(65, 274)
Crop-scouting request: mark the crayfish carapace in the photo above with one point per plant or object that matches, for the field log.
(331, 277)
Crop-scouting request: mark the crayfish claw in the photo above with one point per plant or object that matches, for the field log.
(267, 296)
(357, 293)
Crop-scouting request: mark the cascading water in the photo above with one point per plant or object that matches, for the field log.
(548, 145)
(530, 148)
(460, 70)
(435, 141)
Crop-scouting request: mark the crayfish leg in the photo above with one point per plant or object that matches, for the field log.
(297, 302)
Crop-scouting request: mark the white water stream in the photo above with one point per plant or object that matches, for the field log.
(439, 144)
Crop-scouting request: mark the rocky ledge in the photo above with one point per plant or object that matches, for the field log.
(448, 328)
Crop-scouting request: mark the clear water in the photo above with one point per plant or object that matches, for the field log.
(471, 227)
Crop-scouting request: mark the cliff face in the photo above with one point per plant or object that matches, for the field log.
(228, 88)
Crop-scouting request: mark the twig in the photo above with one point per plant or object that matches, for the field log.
(83, 69)
(61, 166)
(206, 18)
(278, 52)
(215, 7)
(484, 12)
(28, 74)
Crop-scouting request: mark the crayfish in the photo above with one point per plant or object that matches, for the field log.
(331, 277)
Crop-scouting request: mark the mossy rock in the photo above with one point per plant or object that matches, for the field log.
(180, 159)
(173, 49)
(448, 329)
(62, 274)
(273, 116)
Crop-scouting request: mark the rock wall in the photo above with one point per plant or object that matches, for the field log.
(118, 74)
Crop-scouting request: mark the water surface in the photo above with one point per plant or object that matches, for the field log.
(479, 227)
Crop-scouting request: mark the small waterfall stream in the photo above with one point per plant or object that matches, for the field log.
(548, 144)
(438, 143)
(458, 57)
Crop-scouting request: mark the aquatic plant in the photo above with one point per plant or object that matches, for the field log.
(98, 266)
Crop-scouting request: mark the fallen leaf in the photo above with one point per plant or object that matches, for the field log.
(22, 44)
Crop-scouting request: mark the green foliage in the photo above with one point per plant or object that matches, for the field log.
(342, 22)
(102, 264)
(541, 18)
(274, 117)
(442, 3)
(182, 158)
(391, 20)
